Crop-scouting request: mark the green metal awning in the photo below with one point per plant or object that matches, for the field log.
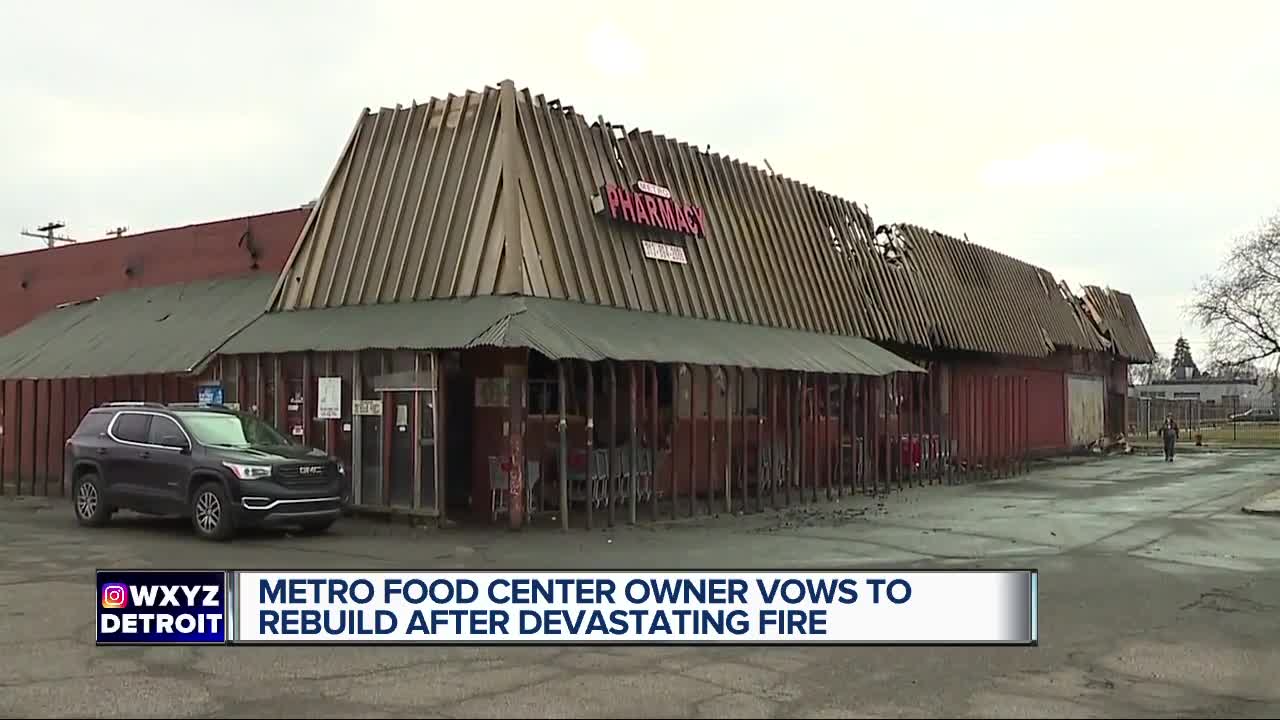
(562, 329)
(164, 329)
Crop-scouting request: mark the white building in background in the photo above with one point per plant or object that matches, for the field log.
(1231, 393)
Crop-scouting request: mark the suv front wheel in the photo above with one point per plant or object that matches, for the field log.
(211, 512)
(90, 504)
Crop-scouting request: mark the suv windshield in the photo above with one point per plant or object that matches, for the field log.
(231, 430)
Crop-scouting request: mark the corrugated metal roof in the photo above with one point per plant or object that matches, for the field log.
(411, 210)
(162, 329)
(491, 193)
(563, 329)
(954, 294)
(1116, 314)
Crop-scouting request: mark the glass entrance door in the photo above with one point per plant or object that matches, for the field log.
(401, 446)
(408, 393)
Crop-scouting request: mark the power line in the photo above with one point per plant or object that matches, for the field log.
(48, 237)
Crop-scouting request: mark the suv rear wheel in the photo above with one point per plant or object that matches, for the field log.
(211, 512)
(90, 504)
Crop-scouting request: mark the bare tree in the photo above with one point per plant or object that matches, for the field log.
(1158, 370)
(1223, 370)
(1240, 303)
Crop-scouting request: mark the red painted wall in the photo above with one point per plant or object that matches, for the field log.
(12, 435)
(36, 281)
(87, 399)
(1033, 416)
(57, 434)
(4, 436)
(1047, 402)
(70, 419)
(998, 414)
(41, 460)
(27, 436)
(39, 415)
(487, 422)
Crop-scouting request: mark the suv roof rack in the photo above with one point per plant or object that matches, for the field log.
(133, 404)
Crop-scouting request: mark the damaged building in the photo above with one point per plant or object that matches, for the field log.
(501, 309)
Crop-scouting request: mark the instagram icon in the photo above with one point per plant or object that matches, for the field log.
(115, 595)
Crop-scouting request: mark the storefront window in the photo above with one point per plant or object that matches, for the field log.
(267, 376)
(295, 419)
(399, 474)
(231, 380)
(544, 385)
(249, 401)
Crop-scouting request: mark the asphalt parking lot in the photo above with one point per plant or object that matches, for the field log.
(1158, 597)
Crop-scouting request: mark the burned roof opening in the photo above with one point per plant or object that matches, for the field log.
(889, 243)
(1044, 284)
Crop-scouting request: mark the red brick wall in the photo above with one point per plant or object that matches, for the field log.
(34, 282)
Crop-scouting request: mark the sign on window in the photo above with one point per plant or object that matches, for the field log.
(366, 407)
(329, 400)
(209, 395)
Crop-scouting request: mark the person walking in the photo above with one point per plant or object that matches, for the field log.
(1169, 434)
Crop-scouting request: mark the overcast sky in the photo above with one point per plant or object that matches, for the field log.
(1114, 143)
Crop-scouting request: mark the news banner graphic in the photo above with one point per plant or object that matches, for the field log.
(162, 607)
(501, 607)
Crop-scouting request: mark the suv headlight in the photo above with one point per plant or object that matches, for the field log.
(249, 472)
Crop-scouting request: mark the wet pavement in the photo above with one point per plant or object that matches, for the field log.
(1158, 597)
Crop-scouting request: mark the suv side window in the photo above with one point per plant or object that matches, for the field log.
(132, 427)
(166, 432)
(93, 424)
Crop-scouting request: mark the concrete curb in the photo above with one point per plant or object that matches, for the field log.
(1266, 505)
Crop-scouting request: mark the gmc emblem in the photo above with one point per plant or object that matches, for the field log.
(312, 470)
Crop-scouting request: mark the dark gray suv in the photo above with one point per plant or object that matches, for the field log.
(222, 468)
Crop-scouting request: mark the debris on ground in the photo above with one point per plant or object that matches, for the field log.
(1117, 445)
(816, 516)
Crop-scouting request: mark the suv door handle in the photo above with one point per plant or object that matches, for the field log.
(145, 454)
(102, 451)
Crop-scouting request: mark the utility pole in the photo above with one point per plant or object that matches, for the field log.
(48, 237)
(118, 231)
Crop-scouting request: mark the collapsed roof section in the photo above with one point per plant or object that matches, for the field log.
(967, 297)
(945, 293)
(1116, 315)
